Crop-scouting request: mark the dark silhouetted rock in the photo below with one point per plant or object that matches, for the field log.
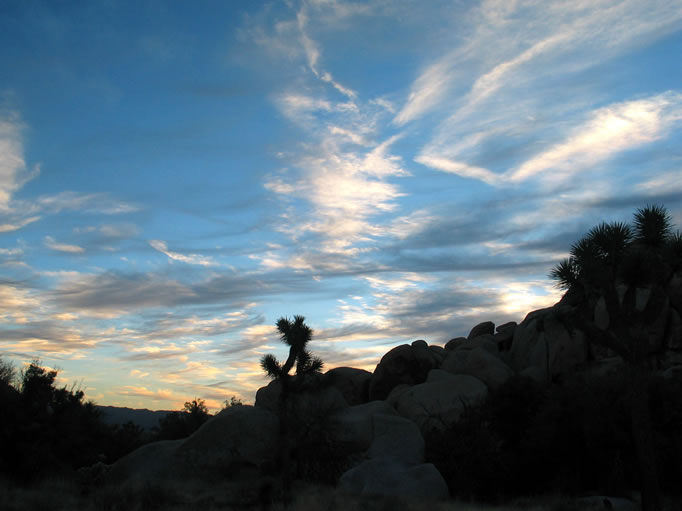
(353, 427)
(485, 328)
(238, 437)
(403, 364)
(480, 363)
(542, 340)
(438, 404)
(396, 437)
(505, 335)
(352, 383)
(387, 477)
(268, 397)
(453, 343)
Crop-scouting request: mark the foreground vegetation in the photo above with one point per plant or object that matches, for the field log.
(60, 494)
(46, 430)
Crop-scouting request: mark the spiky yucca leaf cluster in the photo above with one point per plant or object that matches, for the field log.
(618, 251)
(296, 334)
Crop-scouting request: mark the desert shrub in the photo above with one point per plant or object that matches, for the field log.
(46, 429)
(666, 414)
(123, 439)
(468, 456)
(182, 424)
(315, 455)
(571, 438)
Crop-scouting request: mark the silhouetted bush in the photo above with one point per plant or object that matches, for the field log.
(571, 438)
(45, 429)
(182, 424)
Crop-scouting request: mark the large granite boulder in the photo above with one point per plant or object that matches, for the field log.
(673, 339)
(505, 335)
(542, 340)
(406, 363)
(353, 427)
(313, 394)
(396, 437)
(352, 383)
(454, 343)
(238, 438)
(268, 397)
(485, 328)
(387, 477)
(480, 363)
(148, 463)
(485, 341)
(440, 401)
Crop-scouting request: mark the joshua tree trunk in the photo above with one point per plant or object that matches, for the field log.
(284, 447)
(642, 433)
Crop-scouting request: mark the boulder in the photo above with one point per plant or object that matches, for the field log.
(601, 314)
(486, 341)
(438, 352)
(481, 364)
(485, 328)
(396, 437)
(398, 390)
(535, 373)
(674, 292)
(456, 362)
(403, 364)
(673, 336)
(312, 396)
(386, 477)
(150, 462)
(504, 336)
(453, 343)
(543, 341)
(239, 436)
(353, 427)
(438, 404)
(657, 323)
(268, 397)
(510, 325)
(439, 375)
(352, 383)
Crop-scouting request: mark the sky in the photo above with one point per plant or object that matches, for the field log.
(176, 176)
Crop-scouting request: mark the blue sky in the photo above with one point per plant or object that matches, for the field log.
(176, 176)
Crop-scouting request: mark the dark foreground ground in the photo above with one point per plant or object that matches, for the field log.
(62, 494)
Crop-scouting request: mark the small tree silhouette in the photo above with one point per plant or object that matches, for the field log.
(295, 334)
(611, 262)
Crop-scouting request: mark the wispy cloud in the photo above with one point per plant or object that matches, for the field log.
(53, 244)
(497, 90)
(162, 247)
(609, 131)
(14, 172)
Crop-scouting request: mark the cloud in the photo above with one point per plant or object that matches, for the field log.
(14, 172)
(175, 256)
(53, 244)
(460, 169)
(609, 130)
(497, 93)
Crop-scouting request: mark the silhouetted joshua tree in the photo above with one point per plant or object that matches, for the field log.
(611, 262)
(295, 334)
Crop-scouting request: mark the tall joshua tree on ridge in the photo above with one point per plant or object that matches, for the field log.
(295, 334)
(620, 264)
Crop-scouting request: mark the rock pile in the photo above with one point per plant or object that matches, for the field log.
(379, 418)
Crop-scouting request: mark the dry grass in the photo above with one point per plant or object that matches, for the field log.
(61, 494)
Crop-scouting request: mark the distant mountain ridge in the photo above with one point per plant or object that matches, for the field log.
(146, 419)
